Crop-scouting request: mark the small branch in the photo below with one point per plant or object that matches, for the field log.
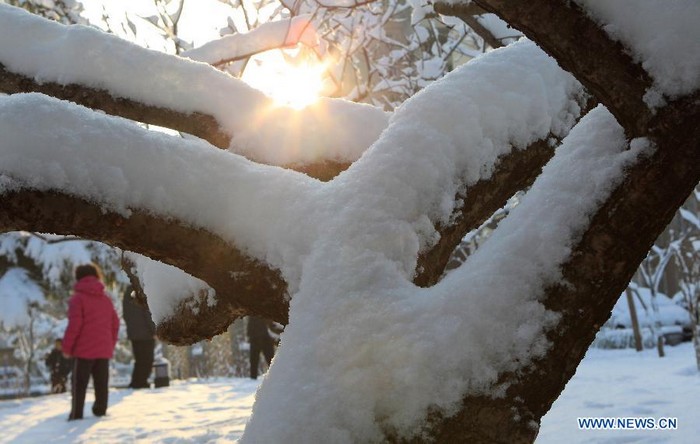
(482, 31)
(514, 172)
(55, 241)
(467, 14)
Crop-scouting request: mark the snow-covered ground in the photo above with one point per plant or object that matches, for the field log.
(607, 384)
(624, 383)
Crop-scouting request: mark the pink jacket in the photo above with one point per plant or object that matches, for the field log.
(93, 323)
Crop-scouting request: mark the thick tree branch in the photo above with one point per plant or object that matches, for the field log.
(243, 285)
(581, 47)
(513, 172)
(197, 124)
(201, 125)
(599, 269)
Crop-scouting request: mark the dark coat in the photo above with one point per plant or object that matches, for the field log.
(257, 330)
(139, 325)
(57, 364)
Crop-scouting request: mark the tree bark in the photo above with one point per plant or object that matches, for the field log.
(638, 345)
(198, 124)
(514, 172)
(581, 47)
(201, 125)
(618, 236)
(598, 271)
(243, 285)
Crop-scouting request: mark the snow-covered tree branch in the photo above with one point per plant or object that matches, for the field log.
(368, 355)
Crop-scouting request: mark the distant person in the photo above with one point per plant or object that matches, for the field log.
(90, 338)
(260, 340)
(141, 331)
(59, 366)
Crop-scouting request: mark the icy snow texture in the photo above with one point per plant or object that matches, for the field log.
(355, 314)
(53, 144)
(50, 52)
(664, 36)
(166, 286)
(365, 344)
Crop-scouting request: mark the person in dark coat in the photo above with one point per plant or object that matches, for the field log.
(93, 326)
(260, 341)
(141, 331)
(59, 367)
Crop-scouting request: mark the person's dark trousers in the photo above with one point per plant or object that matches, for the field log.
(58, 383)
(143, 362)
(257, 346)
(83, 369)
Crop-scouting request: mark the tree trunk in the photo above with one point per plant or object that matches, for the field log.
(617, 240)
(635, 323)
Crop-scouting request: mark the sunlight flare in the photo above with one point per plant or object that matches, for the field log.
(296, 85)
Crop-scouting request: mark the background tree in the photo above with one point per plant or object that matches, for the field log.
(687, 258)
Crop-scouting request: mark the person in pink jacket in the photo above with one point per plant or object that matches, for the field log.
(90, 338)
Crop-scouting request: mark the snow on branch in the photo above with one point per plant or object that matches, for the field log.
(467, 13)
(393, 330)
(197, 124)
(122, 168)
(100, 164)
(270, 35)
(615, 240)
(563, 30)
(97, 69)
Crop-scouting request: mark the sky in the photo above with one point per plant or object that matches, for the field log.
(608, 383)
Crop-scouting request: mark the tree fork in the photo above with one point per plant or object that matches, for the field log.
(514, 172)
(244, 286)
(599, 269)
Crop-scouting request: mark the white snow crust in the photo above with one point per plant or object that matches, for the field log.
(366, 352)
(50, 52)
(355, 313)
(166, 286)
(386, 349)
(663, 36)
(268, 35)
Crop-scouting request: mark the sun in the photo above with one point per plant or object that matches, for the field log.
(296, 85)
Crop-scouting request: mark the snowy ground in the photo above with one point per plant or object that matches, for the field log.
(607, 384)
